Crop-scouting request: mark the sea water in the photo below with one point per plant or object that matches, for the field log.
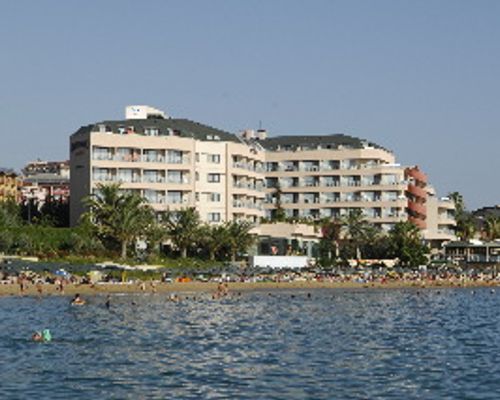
(335, 344)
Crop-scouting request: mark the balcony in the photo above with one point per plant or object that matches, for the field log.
(153, 159)
(417, 208)
(177, 181)
(153, 179)
(417, 191)
(104, 178)
(102, 157)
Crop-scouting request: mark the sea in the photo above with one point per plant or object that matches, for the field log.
(280, 344)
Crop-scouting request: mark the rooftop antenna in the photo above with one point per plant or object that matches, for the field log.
(260, 124)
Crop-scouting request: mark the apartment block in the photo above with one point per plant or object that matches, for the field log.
(43, 180)
(440, 219)
(172, 163)
(315, 177)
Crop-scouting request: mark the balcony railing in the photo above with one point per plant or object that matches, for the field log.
(150, 158)
(153, 179)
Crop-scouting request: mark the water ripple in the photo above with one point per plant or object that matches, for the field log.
(346, 344)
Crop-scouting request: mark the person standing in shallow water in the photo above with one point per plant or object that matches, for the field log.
(77, 300)
(22, 284)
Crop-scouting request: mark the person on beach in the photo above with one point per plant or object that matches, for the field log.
(22, 284)
(77, 300)
(39, 288)
(61, 286)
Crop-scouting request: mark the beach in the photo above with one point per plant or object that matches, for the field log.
(210, 287)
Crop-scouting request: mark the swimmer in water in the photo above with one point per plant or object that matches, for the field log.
(44, 336)
(77, 301)
(108, 302)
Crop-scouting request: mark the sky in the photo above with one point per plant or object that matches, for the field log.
(418, 77)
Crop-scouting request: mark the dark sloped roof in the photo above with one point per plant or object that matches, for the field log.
(7, 171)
(183, 128)
(485, 212)
(334, 141)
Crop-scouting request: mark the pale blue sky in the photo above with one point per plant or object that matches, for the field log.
(418, 77)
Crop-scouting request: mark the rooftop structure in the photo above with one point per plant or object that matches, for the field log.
(473, 251)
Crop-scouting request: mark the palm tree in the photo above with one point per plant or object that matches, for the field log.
(239, 239)
(329, 244)
(123, 217)
(183, 228)
(458, 200)
(355, 227)
(214, 238)
(465, 227)
(491, 228)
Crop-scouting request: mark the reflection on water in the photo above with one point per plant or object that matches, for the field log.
(337, 344)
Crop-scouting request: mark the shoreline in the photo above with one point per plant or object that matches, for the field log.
(211, 287)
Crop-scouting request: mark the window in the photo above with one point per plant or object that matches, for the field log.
(174, 197)
(214, 217)
(174, 156)
(213, 158)
(214, 197)
(197, 196)
(174, 176)
(213, 178)
(197, 157)
(151, 131)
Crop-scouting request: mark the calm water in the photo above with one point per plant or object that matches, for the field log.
(341, 344)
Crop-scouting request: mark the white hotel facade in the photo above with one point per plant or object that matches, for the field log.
(178, 163)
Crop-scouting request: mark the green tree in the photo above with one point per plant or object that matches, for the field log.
(55, 211)
(491, 228)
(214, 238)
(239, 237)
(405, 243)
(10, 214)
(328, 248)
(120, 216)
(279, 214)
(182, 228)
(355, 231)
(465, 227)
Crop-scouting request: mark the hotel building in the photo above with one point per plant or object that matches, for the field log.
(177, 163)
(173, 163)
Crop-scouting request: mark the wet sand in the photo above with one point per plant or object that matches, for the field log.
(210, 287)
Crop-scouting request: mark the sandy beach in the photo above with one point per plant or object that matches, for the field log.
(210, 287)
